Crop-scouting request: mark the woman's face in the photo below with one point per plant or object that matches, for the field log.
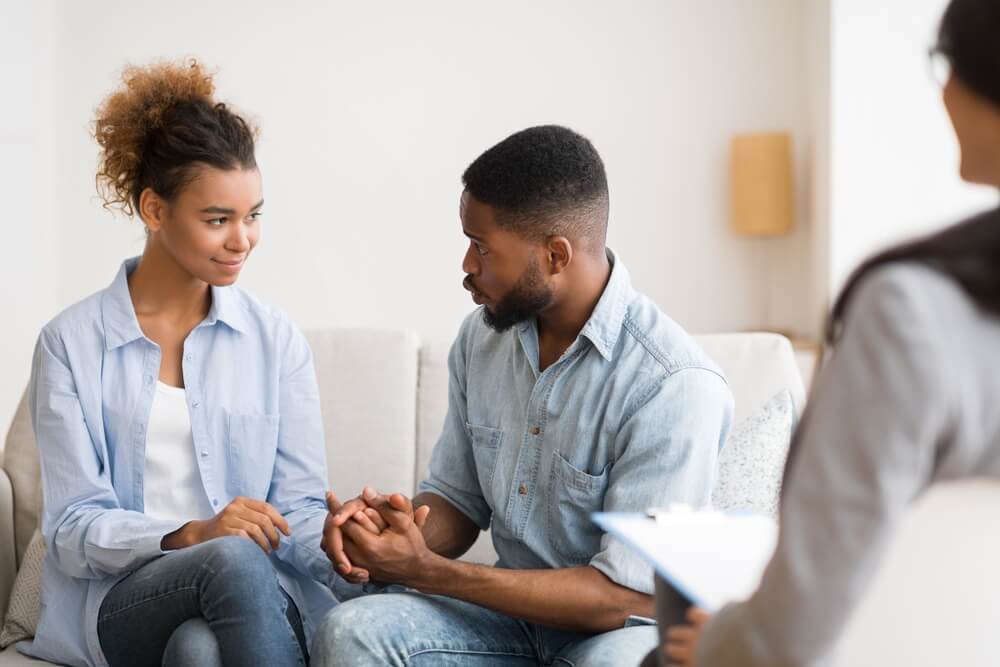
(977, 125)
(210, 228)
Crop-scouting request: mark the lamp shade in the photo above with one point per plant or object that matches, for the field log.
(761, 183)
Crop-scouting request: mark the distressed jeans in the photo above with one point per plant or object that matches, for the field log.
(414, 629)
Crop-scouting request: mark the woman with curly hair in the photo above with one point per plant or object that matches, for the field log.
(909, 398)
(177, 417)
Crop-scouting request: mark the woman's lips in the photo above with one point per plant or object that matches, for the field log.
(230, 267)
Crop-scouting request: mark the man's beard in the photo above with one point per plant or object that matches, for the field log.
(527, 298)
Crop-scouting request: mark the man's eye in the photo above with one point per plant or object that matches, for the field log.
(256, 215)
(216, 222)
(481, 249)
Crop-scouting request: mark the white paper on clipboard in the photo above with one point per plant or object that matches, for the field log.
(709, 557)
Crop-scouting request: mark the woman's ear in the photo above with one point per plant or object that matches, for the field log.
(560, 253)
(152, 209)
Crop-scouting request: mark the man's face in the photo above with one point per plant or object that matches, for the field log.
(503, 269)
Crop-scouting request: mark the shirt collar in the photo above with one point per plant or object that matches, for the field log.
(605, 323)
(121, 326)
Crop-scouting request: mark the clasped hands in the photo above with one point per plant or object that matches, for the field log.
(376, 538)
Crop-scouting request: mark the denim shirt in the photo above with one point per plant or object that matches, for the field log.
(632, 415)
(257, 431)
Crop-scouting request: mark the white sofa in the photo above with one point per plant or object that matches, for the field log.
(383, 401)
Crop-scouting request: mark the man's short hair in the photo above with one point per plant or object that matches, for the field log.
(544, 181)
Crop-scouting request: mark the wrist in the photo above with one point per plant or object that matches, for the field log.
(180, 538)
(432, 571)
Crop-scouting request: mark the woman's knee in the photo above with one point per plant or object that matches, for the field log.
(192, 643)
(234, 555)
(239, 570)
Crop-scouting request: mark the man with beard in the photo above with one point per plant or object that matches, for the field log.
(569, 393)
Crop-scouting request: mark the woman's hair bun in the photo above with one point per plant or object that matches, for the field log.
(161, 117)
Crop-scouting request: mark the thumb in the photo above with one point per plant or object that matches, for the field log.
(332, 503)
(420, 515)
(400, 502)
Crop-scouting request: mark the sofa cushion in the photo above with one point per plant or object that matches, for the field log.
(368, 397)
(432, 400)
(25, 600)
(20, 460)
(757, 366)
(752, 463)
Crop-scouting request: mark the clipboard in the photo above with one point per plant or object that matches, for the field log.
(709, 558)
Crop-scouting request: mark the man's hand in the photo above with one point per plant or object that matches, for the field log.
(361, 511)
(682, 640)
(398, 553)
(333, 537)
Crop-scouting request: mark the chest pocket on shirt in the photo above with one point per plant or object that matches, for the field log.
(485, 447)
(253, 444)
(575, 495)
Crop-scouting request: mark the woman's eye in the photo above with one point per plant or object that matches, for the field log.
(256, 215)
(481, 249)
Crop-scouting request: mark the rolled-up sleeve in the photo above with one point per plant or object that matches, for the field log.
(452, 472)
(88, 534)
(667, 452)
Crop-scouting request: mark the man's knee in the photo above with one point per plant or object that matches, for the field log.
(363, 631)
(628, 646)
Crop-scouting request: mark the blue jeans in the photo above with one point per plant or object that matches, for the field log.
(216, 603)
(415, 629)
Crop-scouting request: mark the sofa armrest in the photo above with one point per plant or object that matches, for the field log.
(8, 557)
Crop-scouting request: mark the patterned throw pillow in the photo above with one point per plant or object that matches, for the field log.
(752, 463)
(25, 599)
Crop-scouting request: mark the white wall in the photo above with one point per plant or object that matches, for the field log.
(370, 112)
(894, 155)
(31, 251)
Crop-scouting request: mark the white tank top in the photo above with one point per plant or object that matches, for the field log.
(172, 486)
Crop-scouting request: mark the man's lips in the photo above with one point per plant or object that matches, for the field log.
(478, 297)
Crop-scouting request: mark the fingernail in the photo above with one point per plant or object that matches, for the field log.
(369, 493)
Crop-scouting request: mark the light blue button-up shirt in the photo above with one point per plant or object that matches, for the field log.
(631, 416)
(257, 429)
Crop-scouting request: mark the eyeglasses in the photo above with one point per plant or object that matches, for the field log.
(939, 65)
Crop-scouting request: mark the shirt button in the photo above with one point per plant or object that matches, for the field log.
(195, 404)
(535, 430)
(204, 453)
(188, 357)
(523, 489)
(215, 501)
(142, 426)
(149, 379)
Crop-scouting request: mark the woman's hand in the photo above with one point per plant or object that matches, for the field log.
(682, 640)
(244, 517)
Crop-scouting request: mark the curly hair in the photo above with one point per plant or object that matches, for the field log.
(159, 128)
(544, 181)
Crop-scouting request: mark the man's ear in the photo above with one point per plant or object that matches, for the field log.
(559, 252)
(152, 209)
